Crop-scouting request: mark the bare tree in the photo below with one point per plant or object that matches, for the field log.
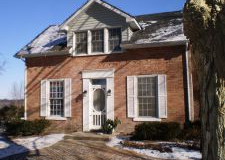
(2, 63)
(17, 94)
(204, 22)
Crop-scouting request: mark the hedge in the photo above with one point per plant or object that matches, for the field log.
(157, 131)
(26, 128)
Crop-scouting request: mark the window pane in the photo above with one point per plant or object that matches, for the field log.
(114, 39)
(99, 100)
(57, 98)
(147, 96)
(97, 41)
(99, 82)
(81, 42)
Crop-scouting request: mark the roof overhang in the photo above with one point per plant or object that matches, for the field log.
(155, 44)
(129, 19)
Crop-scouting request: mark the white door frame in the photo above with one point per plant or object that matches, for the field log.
(87, 76)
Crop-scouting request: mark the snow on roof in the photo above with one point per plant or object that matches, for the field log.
(162, 27)
(45, 41)
(156, 28)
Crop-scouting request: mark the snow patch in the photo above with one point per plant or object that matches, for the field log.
(45, 41)
(172, 32)
(147, 23)
(34, 143)
(22, 145)
(3, 145)
(178, 153)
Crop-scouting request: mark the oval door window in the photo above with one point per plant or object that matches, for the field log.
(99, 100)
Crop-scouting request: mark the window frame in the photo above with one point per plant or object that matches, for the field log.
(112, 51)
(148, 96)
(75, 39)
(146, 118)
(57, 98)
(103, 42)
(55, 117)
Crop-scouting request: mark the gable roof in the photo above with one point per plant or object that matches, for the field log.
(129, 19)
(159, 28)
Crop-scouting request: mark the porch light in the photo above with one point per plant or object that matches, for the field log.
(85, 93)
(109, 92)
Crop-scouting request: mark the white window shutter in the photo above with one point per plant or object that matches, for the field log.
(162, 96)
(44, 98)
(131, 96)
(67, 97)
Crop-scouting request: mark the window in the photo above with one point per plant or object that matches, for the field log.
(114, 39)
(56, 98)
(97, 41)
(81, 42)
(147, 96)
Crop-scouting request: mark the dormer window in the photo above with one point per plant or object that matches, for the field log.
(81, 43)
(114, 39)
(97, 41)
(102, 41)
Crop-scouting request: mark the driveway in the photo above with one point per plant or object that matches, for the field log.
(86, 149)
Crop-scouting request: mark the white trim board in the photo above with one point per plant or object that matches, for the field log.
(129, 19)
(91, 74)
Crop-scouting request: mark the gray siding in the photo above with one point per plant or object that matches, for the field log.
(96, 17)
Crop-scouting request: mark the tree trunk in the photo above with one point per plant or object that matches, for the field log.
(204, 25)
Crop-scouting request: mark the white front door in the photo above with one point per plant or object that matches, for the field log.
(98, 105)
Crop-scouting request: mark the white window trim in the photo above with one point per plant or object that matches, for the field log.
(121, 36)
(56, 118)
(106, 50)
(147, 119)
(138, 118)
(49, 117)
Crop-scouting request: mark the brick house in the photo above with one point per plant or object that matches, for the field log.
(102, 63)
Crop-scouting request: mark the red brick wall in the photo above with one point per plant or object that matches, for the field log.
(166, 60)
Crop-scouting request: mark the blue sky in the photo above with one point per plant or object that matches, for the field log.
(22, 20)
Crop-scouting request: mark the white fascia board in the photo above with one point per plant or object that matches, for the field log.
(64, 25)
(129, 19)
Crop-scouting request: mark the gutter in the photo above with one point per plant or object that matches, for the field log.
(154, 44)
(52, 53)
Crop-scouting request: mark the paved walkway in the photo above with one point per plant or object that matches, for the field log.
(89, 148)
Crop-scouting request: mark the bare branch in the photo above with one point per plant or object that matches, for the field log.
(2, 63)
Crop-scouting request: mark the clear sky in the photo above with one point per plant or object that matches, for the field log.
(22, 20)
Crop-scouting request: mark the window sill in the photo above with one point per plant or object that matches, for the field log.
(96, 54)
(57, 118)
(149, 119)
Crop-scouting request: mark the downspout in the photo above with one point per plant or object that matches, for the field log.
(25, 94)
(25, 89)
(188, 95)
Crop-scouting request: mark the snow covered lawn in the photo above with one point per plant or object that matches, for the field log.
(177, 152)
(21, 145)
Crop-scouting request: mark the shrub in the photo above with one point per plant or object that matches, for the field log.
(9, 113)
(156, 131)
(191, 132)
(26, 128)
(110, 125)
